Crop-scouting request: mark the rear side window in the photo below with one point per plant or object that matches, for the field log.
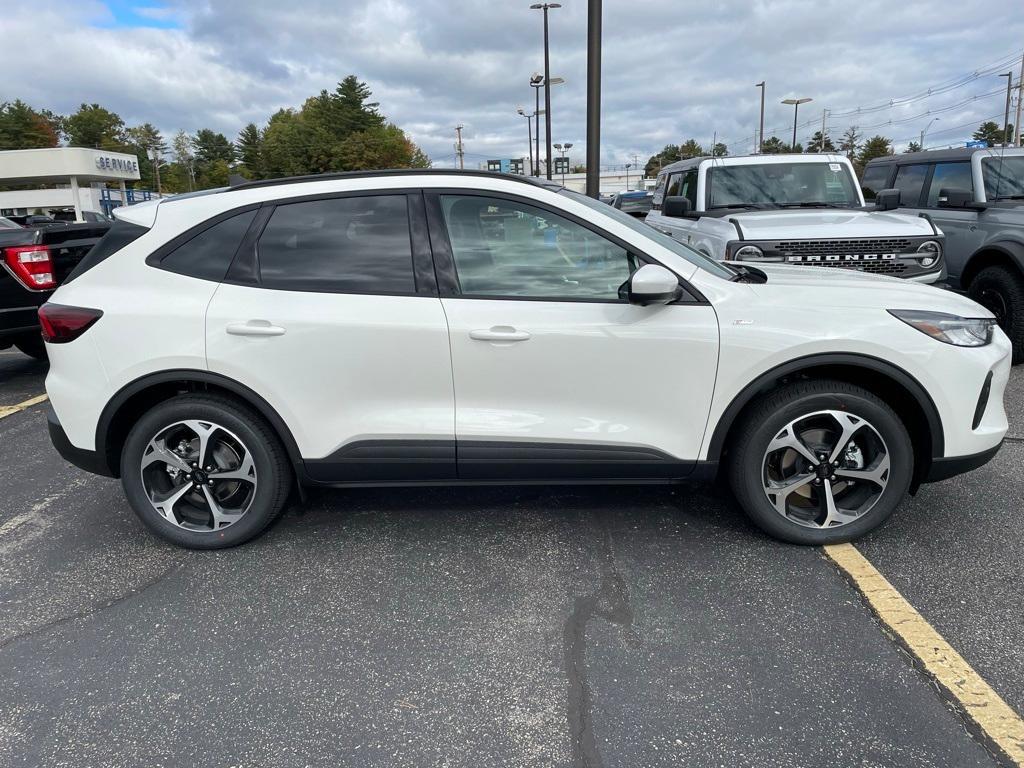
(910, 182)
(675, 183)
(874, 180)
(208, 255)
(120, 234)
(339, 245)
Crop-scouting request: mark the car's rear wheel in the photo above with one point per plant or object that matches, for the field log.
(32, 345)
(1001, 291)
(204, 472)
(820, 462)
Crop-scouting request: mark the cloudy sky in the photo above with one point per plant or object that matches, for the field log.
(673, 69)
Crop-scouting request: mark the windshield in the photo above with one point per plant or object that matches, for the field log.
(1004, 177)
(782, 185)
(683, 251)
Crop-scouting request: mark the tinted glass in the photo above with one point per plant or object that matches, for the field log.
(910, 182)
(688, 188)
(117, 237)
(949, 176)
(777, 185)
(675, 183)
(342, 245)
(1004, 178)
(874, 180)
(505, 248)
(208, 255)
(683, 251)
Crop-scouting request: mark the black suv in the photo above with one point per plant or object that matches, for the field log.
(976, 197)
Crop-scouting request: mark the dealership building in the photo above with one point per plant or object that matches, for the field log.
(65, 178)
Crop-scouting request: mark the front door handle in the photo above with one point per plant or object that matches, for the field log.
(499, 333)
(254, 328)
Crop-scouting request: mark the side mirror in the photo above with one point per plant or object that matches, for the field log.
(653, 284)
(887, 200)
(676, 206)
(955, 198)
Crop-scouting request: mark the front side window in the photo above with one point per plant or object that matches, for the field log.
(781, 185)
(949, 176)
(874, 180)
(339, 245)
(910, 182)
(511, 249)
(1004, 177)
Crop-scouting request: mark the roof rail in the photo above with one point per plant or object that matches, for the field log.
(391, 172)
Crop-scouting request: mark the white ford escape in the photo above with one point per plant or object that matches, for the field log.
(218, 352)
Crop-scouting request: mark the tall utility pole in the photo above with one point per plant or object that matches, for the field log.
(458, 145)
(1020, 98)
(796, 109)
(156, 170)
(547, 81)
(824, 114)
(760, 129)
(593, 98)
(1006, 115)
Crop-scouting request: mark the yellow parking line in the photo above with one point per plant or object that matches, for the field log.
(978, 701)
(7, 410)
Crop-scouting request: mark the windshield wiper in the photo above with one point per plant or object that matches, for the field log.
(738, 205)
(1010, 197)
(812, 204)
(747, 274)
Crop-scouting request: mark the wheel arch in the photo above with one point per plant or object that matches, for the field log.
(133, 399)
(894, 385)
(1000, 253)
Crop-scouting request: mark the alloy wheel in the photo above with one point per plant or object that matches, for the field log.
(198, 475)
(825, 469)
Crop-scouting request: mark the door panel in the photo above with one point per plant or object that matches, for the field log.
(603, 374)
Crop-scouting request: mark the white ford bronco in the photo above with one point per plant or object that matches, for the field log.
(793, 209)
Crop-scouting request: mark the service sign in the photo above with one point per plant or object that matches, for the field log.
(105, 163)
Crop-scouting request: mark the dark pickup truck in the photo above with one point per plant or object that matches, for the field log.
(35, 261)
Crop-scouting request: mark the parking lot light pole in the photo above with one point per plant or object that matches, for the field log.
(760, 129)
(547, 81)
(593, 98)
(536, 81)
(796, 109)
(563, 150)
(921, 143)
(529, 136)
(1006, 115)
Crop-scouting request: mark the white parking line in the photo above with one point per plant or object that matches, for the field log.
(1000, 724)
(7, 410)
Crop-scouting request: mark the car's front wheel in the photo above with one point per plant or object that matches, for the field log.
(820, 462)
(204, 472)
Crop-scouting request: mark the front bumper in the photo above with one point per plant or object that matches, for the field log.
(90, 461)
(943, 469)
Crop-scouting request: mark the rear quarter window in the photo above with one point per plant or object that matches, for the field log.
(120, 234)
(208, 254)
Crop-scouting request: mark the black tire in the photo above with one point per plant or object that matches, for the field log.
(1001, 290)
(769, 415)
(273, 472)
(32, 345)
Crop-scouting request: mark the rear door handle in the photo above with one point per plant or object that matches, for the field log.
(499, 333)
(254, 328)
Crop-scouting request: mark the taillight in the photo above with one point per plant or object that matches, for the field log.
(32, 265)
(63, 324)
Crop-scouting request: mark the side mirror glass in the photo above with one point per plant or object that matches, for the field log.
(955, 198)
(653, 284)
(676, 206)
(887, 200)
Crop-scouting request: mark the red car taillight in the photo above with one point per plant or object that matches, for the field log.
(32, 265)
(62, 324)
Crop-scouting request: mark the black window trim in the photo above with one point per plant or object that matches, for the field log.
(444, 261)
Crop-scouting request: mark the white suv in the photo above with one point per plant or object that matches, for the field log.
(219, 352)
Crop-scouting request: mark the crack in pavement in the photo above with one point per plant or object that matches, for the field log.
(93, 610)
(611, 603)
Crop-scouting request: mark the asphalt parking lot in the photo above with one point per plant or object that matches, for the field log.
(499, 627)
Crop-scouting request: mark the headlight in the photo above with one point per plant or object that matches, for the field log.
(751, 253)
(929, 252)
(950, 329)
